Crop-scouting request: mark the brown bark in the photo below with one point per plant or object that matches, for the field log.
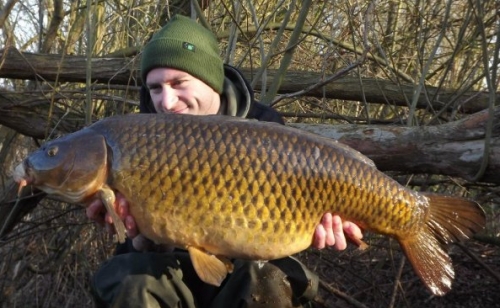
(76, 18)
(455, 148)
(124, 71)
(55, 22)
(31, 114)
(66, 68)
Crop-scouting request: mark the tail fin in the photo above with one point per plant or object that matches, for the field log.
(450, 220)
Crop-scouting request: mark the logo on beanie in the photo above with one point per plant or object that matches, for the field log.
(188, 46)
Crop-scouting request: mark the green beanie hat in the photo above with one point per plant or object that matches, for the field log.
(185, 45)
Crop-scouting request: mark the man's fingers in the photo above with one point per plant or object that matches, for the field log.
(108, 219)
(338, 233)
(132, 231)
(327, 223)
(94, 211)
(97, 212)
(319, 237)
(333, 232)
(352, 230)
(122, 206)
(90, 211)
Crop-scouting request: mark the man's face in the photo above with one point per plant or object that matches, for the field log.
(174, 91)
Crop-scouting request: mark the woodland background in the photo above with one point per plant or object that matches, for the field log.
(411, 84)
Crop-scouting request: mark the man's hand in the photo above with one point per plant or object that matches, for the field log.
(97, 212)
(332, 232)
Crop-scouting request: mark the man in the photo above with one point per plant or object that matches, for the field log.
(183, 73)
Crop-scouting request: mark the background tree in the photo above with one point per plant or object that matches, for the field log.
(411, 84)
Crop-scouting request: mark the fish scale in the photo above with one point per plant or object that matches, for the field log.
(224, 187)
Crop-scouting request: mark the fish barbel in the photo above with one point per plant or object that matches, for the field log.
(223, 187)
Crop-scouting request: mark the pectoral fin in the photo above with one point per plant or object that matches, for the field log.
(108, 199)
(211, 269)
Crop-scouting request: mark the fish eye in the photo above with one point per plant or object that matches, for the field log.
(52, 151)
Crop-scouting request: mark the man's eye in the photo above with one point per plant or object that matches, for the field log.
(154, 88)
(177, 83)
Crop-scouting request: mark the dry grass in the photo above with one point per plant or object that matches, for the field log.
(48, 260)
(381, 277)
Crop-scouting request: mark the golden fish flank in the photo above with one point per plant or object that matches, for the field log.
(223, 187)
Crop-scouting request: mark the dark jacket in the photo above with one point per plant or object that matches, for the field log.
(237, 99)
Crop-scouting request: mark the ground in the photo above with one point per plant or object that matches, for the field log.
(367, 279)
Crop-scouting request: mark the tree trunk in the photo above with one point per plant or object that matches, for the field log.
(31, 114)
(455, 148)
(125, 71)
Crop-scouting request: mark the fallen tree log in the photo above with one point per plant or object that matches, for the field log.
(125, 71)
(455, 148)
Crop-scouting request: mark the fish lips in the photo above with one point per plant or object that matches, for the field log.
(19, 173)
(22, 173)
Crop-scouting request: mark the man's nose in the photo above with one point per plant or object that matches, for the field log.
(169, 98)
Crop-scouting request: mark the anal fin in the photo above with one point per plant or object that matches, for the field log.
(211, 269)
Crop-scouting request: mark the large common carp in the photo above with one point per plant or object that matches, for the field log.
(223, 187)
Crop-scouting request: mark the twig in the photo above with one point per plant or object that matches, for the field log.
(289, 52)
(397, 282)
(475, 258)
(491, 240)
(335, 76)
(427, 66)
(339, 73)
(9, 217)
(341, 294)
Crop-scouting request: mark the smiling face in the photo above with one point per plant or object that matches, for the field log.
(175, 91)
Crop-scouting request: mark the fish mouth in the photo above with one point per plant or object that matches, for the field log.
(22, 174)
